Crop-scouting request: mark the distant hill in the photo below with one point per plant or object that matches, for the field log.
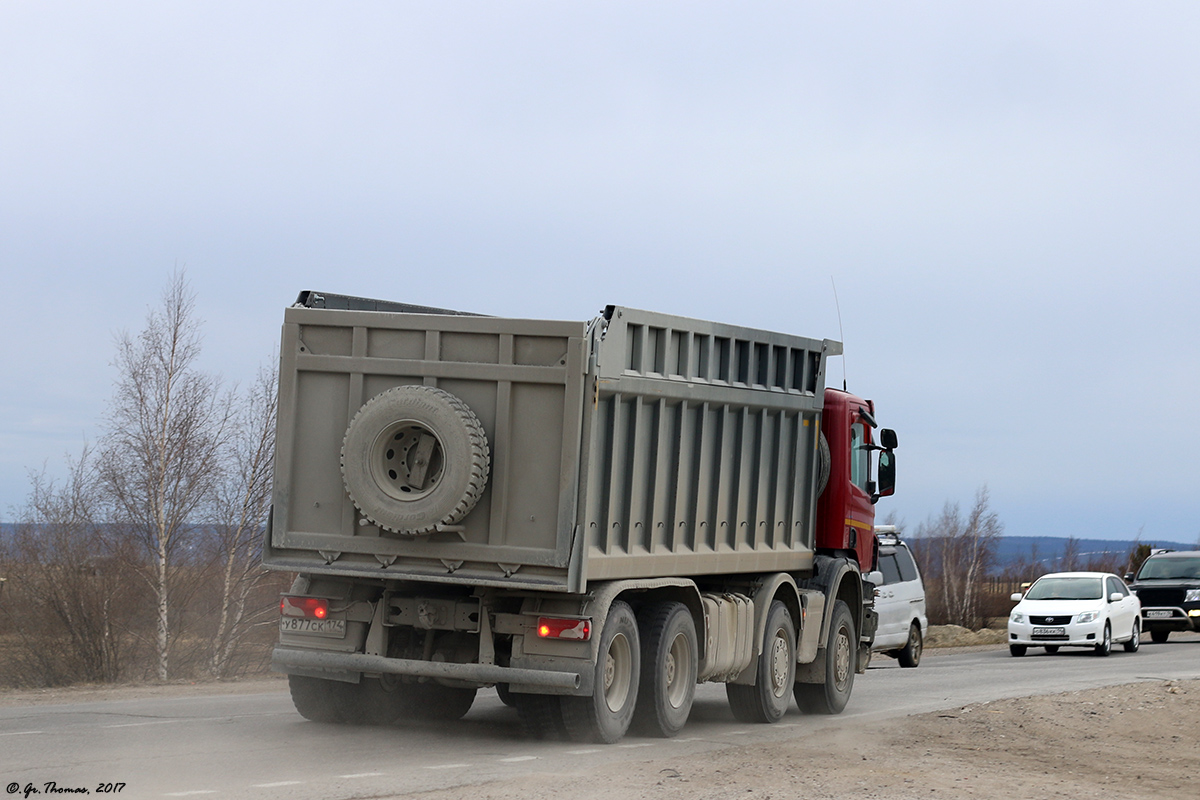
(1051, 548)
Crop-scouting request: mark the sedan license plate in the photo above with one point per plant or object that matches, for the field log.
(333, 628)
(1049, 631)
(1158, 613)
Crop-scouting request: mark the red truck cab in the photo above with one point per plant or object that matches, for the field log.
(846, 508)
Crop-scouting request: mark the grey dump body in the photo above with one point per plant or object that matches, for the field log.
(636, 445)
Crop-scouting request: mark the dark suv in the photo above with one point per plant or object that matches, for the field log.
(1168, 584)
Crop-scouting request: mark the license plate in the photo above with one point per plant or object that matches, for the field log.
(333, 628)
(1049, 631)
(1159, 613)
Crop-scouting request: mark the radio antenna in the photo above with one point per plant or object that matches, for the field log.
(841, 334)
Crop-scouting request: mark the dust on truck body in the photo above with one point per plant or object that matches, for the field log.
(593, 517)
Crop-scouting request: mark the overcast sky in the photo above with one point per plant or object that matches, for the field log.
(1007, 196)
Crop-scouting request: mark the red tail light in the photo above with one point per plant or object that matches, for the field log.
(307, 607)
(553, 628)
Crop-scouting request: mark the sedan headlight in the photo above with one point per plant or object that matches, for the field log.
(1017, 616)
(1192, 596)
(1088, 616)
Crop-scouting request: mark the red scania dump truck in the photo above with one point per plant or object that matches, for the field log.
(592, 517)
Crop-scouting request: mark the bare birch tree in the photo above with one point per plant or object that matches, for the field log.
(242, 504)
(160, 459)
(959, 554)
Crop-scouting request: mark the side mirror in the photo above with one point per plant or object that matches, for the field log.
(874, 577)
(1016, 597)
(887, 438)
(887, 475)
(1128, 577)
(1116, 597)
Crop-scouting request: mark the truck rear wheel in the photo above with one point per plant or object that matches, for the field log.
(768, 699)
(393, 702)
(669, 666)
(377, 703)
(445, 703)
(605, 716)
(322, 700)
(541, 716)
(415, 457)
(831, 696)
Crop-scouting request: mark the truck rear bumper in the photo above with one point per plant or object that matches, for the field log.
(284, 659)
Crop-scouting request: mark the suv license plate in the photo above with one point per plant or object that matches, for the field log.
(1049, 631)
(1159, 613)
(333, 628)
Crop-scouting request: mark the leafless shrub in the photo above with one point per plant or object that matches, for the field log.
(76, 596)
(242, 503)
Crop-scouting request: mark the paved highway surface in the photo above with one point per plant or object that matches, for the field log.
(257, 747)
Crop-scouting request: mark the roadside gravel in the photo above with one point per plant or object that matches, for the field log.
(1132, 741)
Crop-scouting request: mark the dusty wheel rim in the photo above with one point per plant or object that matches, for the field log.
(675, 668)
(841, 659)
(780, 665)
(1137, 635)
(618, 672)
(914, 643)
(407, 460)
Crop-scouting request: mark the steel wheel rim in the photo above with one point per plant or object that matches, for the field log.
(618, 672)
(780, 664)
(407, 460)
(675, 676)
(841, 659)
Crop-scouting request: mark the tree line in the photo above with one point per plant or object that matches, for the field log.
(143, 562)
(964, 582)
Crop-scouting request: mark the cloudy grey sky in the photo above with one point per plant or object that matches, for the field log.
(1006, 194)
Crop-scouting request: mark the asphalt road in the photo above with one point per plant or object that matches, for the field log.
(256, 746)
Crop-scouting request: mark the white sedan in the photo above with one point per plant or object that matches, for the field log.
(1076, 609)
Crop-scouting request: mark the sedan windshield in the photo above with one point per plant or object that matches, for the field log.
(1170, 569)
(1067, 589)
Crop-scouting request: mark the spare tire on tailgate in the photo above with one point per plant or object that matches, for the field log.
(415, 457)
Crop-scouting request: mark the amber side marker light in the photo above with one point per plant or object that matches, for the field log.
(553, 628)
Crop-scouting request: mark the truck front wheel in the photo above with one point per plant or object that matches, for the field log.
(831, 696)
(768, 699)
(605, 716)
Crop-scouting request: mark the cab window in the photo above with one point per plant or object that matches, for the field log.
(860, 456)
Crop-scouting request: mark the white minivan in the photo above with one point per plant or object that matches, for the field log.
(899, 601)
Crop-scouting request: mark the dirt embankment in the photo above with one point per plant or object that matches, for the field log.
(1132, 741)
